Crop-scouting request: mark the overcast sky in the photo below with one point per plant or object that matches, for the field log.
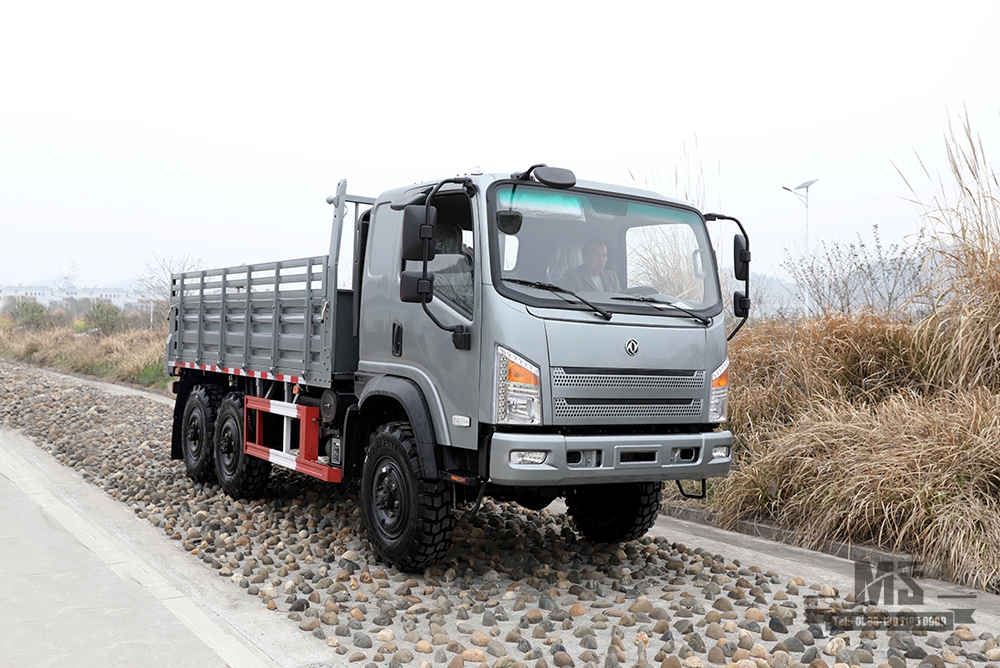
(218, 129)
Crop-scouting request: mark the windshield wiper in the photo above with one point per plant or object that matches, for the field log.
(552, 287)
(702, 320)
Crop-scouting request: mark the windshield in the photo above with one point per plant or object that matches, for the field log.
(622, 254)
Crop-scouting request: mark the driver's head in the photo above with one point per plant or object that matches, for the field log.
(595, 256)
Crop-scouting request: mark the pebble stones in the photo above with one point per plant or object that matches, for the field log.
(517, 588)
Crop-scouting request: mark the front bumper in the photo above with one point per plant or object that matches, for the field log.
(585, 460)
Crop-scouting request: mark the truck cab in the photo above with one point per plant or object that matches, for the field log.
(537, 375)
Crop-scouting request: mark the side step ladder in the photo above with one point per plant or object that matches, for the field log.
(307, 459)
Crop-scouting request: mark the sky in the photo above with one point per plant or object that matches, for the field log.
(217, 129)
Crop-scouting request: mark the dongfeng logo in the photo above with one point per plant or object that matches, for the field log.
(632, 346)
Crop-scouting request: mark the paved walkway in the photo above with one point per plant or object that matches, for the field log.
(76, 591)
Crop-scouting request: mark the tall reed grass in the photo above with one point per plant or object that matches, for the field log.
(874, 430)
(962, 335)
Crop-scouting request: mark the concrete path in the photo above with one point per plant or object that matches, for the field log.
(88, 584)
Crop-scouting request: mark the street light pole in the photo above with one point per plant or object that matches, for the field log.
(805, 200)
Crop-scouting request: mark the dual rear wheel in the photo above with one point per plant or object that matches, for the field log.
(239, 474)
(212, 443)
(198, 431)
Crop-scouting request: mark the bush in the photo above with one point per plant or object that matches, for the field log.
(962, 335)
(910, 473)
(152, 375)
(105, 318)
(31, 315)
(864, 276)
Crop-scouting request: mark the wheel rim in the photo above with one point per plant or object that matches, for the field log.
(193, 441)
(228, 454)
(389, 496)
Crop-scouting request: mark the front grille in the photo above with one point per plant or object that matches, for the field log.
(626, 408)
(627, 378)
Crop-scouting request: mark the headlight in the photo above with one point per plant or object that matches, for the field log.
(718, 400)
(517, 396)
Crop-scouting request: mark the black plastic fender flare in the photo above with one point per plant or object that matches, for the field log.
(183, 390)
(408, 395)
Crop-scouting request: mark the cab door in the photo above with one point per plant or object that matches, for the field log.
(448, 375)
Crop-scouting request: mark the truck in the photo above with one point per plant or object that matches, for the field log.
(525, 336)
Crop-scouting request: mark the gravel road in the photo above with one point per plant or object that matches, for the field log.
(517, 588)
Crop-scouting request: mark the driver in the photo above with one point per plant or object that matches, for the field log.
(591, 275)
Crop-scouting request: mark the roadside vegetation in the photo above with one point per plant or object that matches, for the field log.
(96, 337)
(867, 413)
(875, 419)
(130, 355)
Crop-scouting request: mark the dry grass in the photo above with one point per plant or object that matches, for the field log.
(781, 368)
(133, 356)
(962, 335)
(871, 430)
(908, 473)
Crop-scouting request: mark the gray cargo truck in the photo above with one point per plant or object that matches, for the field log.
(524, 336)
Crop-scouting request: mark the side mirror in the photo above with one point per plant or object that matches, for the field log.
(414, 288)
(741, 305)
(555, 177)
(509, 222)
(741, 258)
(419, 222)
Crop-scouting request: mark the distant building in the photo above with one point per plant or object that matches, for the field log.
(46, 295)
(35, 293)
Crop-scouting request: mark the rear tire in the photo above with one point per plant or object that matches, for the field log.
(614, 513)
(197, 431)
(240, 475)
(407, 516)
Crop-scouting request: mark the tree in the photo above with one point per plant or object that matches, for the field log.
(105, 318)
(155, 283)
(31, 315)
(67, 281)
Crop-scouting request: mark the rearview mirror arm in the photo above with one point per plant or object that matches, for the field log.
(460, 335)
(746, 283)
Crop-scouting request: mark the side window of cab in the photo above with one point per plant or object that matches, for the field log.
(454, 252)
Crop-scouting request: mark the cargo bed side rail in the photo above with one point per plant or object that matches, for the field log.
(263, 320)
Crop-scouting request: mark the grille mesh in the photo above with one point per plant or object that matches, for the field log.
(625, 381)
(625, 410)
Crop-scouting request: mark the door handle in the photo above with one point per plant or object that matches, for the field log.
(397, 339)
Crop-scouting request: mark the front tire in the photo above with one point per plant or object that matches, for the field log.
(240, 475)
(197, 430)
(614, 513)
(407, 516)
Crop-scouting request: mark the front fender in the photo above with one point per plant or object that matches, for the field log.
(408, 396)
